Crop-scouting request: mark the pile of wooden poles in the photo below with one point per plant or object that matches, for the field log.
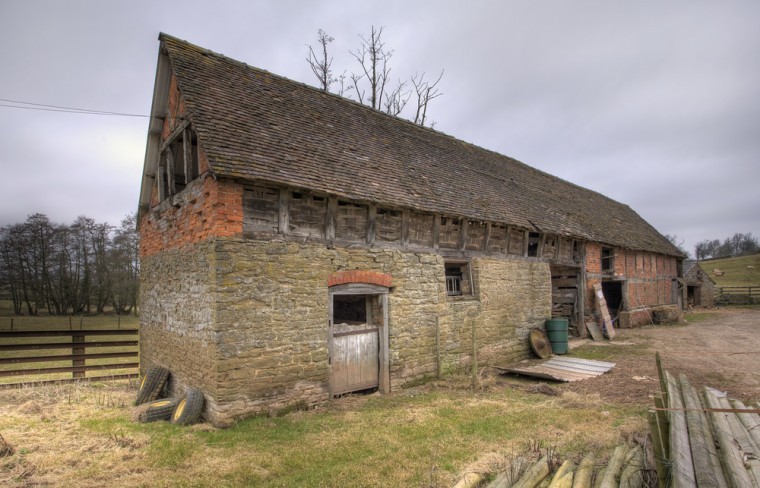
(703, 442)
(626, 468)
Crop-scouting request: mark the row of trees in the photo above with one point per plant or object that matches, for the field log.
(737, 245)
(372, 84)
(83, 267)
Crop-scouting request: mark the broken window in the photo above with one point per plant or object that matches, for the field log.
(608, 260)
(458, 278)
(178, 165)
(533, 239)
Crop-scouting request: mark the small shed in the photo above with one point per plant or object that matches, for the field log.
(700, 288)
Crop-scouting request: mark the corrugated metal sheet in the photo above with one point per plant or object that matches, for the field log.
(564, 369)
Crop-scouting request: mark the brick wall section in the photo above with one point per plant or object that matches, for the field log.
(358, 276)
(648, 280)
(207, 208)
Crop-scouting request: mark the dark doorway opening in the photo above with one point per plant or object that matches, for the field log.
(613, 294)
(692, 296)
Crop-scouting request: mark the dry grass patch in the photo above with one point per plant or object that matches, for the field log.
(82, 435)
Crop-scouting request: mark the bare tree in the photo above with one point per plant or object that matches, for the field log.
(371, 83)
(678, 242)
(396, 100)
(426, 92)
(321, 65)
(373, 60)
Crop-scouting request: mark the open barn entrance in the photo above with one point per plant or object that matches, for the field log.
(358, 338)
(613, 295)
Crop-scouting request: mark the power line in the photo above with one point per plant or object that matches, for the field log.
(57, 108)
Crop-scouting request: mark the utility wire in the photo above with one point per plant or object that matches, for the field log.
(57, 108)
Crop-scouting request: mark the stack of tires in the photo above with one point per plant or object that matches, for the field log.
(184, 410)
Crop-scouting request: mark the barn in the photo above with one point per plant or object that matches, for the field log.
(700, 288)
(296, 245)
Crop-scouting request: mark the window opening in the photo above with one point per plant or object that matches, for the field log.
(533, 239)
(608, 260)
(349, 309)
(458, 279)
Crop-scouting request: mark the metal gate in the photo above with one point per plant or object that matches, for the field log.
(355, 358)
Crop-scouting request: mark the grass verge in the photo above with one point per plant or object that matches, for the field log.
(83, 435)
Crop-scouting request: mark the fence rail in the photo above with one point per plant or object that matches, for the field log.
(80, 358)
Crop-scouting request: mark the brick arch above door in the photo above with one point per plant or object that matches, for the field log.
(358, 276)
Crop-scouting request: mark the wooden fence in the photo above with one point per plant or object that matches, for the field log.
(738, 294)
(81, 348)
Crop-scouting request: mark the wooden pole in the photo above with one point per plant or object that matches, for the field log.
(611, 477)
(730, 455)
(657, 448)
(77, 338)
(682, 465)
(474, 355)
(437, 349)
(704, 470)
(583, 474)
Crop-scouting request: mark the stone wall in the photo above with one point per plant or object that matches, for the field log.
(177, 316)
(246, 320)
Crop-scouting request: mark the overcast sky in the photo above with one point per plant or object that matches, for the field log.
(654, 104)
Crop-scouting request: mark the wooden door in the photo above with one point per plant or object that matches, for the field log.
(355, 357)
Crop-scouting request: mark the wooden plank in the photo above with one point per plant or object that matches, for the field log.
(170, 171)
(64, 345)
(436, 230)
(160, 180)
(332, 210)
(601, 305)
(94, 367)
(371, 220)
(405, 228)
(487, 237)
(581, 303)
(385, 370)
(704, 471)
(283, 226)
(659, 455)
(731, 456)
(355, 358)
(174, 134)
(596, 334)
(186, 156)
(463, 223)
(68, 357)
(60, 333)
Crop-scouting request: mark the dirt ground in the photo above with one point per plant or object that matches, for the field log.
(718, 348)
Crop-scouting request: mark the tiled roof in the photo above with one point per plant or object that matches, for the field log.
(253, 124)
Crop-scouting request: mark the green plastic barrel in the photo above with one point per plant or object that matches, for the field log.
(556, 331)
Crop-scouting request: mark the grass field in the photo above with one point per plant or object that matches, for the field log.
(736, 271)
